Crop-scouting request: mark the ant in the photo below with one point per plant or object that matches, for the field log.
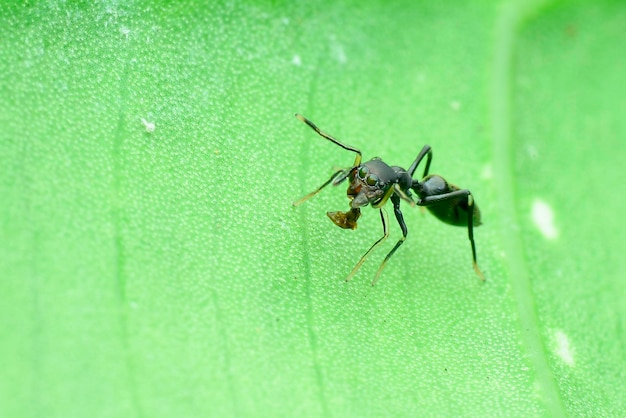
(374, 182)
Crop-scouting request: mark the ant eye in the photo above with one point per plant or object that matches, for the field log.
(372, 180)
(363, 172)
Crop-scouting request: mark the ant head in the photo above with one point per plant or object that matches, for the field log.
(369, 182)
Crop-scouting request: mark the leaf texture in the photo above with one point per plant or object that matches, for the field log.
(151, 263)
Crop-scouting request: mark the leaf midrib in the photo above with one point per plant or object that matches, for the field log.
(508, 23)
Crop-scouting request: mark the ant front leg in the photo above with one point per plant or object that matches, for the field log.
(396, 210)
(340, 175)
(337, 177)
(357, 159)
(458, 196)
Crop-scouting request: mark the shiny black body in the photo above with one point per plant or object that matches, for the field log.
(453, 212)
(374, 182)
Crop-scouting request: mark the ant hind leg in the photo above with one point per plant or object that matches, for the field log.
(470, 233)
(459, 195)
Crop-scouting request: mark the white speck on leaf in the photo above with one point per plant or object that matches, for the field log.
(150, 126)
(487, 172)
(543, 217)
(455, 105)
(296, 60)
(338, 52)
(341, 55)
(562, 348)
(532, 152)
(125, 32)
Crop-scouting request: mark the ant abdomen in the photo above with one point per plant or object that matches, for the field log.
(453, 211)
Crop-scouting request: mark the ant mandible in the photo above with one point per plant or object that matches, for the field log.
(374, 182)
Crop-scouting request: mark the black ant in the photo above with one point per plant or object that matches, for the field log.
(374, 182)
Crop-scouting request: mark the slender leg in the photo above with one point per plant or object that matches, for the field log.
(438, 198)
(337, 178)
(319, 189)
(383, 216)
(398, 190)
(396, 210)
(357, 160)
(470, 233)
(425, 151)
(459, 194)
(346, 173)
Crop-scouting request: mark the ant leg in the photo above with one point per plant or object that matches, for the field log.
(357, 160)
(438, 198)
(470, 233)
(396, 210)
(425, 151)
(459, 194)
(398, 190)
(383, 216)
(344, 175)
(316, 191)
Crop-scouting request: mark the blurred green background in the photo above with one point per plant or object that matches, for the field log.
(151, 263)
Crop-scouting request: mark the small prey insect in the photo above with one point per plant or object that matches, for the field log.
(374, 182)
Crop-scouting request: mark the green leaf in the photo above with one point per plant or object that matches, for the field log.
(151, 263)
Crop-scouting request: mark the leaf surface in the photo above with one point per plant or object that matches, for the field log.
(151, 263)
